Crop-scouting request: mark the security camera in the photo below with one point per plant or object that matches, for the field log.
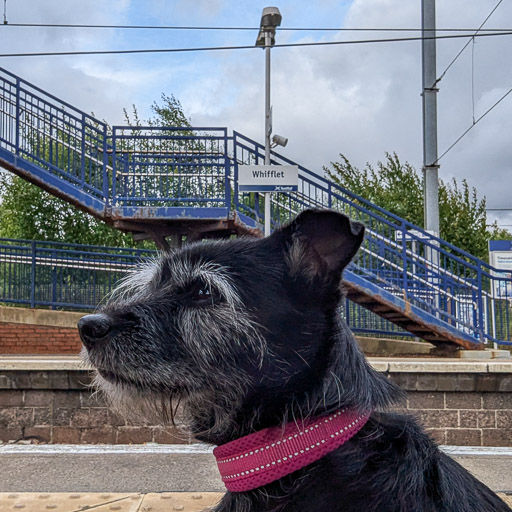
(279, 140)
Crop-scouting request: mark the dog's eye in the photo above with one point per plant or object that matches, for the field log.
(202, 294)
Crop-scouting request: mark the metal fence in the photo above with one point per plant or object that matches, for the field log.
(162, 166)
(58, 275)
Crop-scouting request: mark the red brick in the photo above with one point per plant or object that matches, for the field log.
(134, 435)
(65, 435)
(437, 419)
(425, 400)
(9, 398)
(463, 401)
(496, 436)
(43, 434)
(97, 435)
(170, 435)
(11, 434)
(464, 437)
(38, 398)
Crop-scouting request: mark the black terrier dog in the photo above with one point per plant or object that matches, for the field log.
(246, 334)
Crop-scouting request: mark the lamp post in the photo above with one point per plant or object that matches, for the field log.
(270, 20)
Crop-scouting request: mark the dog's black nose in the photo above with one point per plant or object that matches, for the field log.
(94, 328)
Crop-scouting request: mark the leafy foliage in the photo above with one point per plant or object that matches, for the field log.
(30, 213)
(397, 187)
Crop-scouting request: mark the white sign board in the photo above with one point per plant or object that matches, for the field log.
(500, 257)
(268, 178)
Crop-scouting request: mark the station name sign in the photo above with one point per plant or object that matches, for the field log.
(268, 178)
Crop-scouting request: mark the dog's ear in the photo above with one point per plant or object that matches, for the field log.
(320, 243)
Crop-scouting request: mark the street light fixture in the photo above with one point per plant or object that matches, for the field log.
(270, 20)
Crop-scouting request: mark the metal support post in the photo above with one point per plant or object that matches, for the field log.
(268, 125)
(430, 166)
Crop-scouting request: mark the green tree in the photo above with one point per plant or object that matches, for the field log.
(28, 212)
(397, 187)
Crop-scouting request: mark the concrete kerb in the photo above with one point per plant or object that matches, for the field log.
(45, 317)
(381, 364)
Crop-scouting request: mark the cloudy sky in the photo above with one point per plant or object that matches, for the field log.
(359, 100)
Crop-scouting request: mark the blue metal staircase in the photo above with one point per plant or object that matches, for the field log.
(183, 183)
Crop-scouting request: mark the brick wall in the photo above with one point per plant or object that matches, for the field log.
(38, 331)
(461, 409)
(17, 338)
(57, 407)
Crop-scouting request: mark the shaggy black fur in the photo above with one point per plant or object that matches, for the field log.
(289, 285)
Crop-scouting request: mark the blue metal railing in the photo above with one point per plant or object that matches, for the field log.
(130, 172)
(66, 143)
(59, 275)
(162, 166)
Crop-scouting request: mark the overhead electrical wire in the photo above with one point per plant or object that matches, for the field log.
(223, 28)
(473, 125)
(478, 30)
(246, 47)
(475, 121)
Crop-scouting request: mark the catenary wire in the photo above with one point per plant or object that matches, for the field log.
(246, 47)
(223, 28)
(473, 125)
(479, 29)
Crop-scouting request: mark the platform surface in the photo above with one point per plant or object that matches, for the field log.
(104, 502)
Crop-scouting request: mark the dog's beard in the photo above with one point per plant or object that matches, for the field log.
(206, 414)
(138, 405)
(204, 411)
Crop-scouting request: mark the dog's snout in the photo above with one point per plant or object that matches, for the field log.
(94, 328)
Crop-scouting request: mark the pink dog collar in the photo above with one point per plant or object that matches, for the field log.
(271, 453)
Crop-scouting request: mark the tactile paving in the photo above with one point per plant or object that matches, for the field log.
(179, 501)
(69, 502)
(108, 502)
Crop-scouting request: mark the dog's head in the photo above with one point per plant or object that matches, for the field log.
(228, 327)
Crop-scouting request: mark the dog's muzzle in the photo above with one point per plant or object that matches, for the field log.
(94, 329)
